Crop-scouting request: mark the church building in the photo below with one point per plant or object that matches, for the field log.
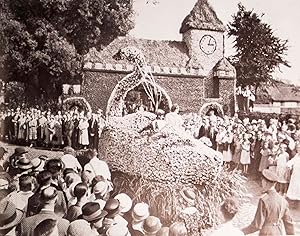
(193, 72)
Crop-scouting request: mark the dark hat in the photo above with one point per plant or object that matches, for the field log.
(91, 211)
(9, 215)
(269, 175)
(49, 194)
(151, 225)
(19, 151)
(24, 163)
(112, 207)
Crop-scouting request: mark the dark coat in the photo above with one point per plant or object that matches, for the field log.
(93, 134)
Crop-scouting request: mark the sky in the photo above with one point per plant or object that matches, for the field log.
(162, 21)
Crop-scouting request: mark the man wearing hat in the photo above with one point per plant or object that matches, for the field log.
(272, 210)
(92, 213)
(11, 166)
(48, 199)
(10, 217)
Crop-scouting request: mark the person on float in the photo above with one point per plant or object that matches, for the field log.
(272, 210)
(174, 120)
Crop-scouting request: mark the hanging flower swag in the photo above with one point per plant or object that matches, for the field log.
(79, 102)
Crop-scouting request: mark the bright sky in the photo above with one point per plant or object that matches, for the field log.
(163, 20)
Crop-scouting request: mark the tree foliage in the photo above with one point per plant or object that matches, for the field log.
(259, 51)
(42, 42)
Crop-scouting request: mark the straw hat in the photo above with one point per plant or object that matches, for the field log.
(24, 163)
(79, 228)
(269, 175)
(9, 215)
(125, 202)
(151, 225)
(100, 188)
(140, 211)
(118, 230)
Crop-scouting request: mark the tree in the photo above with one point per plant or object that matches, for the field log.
(43, 42)
(259, 51)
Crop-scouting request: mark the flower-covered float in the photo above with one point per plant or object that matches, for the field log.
(178, 176)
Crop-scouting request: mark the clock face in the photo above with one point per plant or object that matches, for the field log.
(208, 44)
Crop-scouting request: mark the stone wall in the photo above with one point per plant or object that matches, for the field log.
(189, 92)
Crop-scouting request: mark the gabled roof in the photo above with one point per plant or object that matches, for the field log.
(224, 65)
(282, 92)
(203, 17)
(161, 53)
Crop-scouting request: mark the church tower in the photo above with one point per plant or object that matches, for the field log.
(203, 31)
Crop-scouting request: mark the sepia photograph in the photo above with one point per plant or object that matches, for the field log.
(149, 118)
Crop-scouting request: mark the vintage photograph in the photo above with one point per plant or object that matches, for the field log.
(149, 118)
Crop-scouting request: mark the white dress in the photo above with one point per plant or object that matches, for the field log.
(293, 192)
(281, 167)
(245, 154)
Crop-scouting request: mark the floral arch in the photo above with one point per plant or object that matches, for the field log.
(79, 102)
(212, 106)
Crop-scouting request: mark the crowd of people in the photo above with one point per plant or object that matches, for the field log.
(73, 196)
(65, 196)
(255, 145)
(45, 128)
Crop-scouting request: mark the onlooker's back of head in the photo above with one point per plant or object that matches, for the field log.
(80, 190)
(47, 227)
(90, 154)
(178, 229)
(44, 178)
(69, 150)
(25, 183)
(48, 195)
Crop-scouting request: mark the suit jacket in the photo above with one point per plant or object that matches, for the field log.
(93, 128)
(28, 224)
(271, 215)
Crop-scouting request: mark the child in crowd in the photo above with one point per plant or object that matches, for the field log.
(245, 154)
(281, 168)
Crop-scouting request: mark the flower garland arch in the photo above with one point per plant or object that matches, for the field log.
(80, 102)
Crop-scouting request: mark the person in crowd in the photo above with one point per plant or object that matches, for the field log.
(281, 160)
(96, 166)
(10, 218)
(93, 213)
(100, 191)
(5, 188)
(265, 154)
(68, 127)
(293, 191)
(125, 205)
(245, 153)
(139, 214)
(69, 159)
(20, 197)
(178, 229)
(93, 130)
(80, 227)
(47, 227)
(151, 226)
(75, 132)
(48, 199)
(81, 194)
(164, 231)
(228, 209)
(271, 211)
(83, 138)
(32, 129)
(11, 166)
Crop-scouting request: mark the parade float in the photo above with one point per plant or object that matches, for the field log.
(180, 177)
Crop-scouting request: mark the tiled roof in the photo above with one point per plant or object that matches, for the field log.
(161, 53)
(202, 16)
(284, 93)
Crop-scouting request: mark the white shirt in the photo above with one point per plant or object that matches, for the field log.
(98, 167)
(71, 162)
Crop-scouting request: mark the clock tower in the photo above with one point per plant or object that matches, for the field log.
(202, 31)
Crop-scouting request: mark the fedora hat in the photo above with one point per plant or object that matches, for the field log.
(112, 207)
(24, 163)
(9, 215)
(140, 211)
(125, 202)
(269, 175)
(19, 151)
(92, 211)
(151, 225)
